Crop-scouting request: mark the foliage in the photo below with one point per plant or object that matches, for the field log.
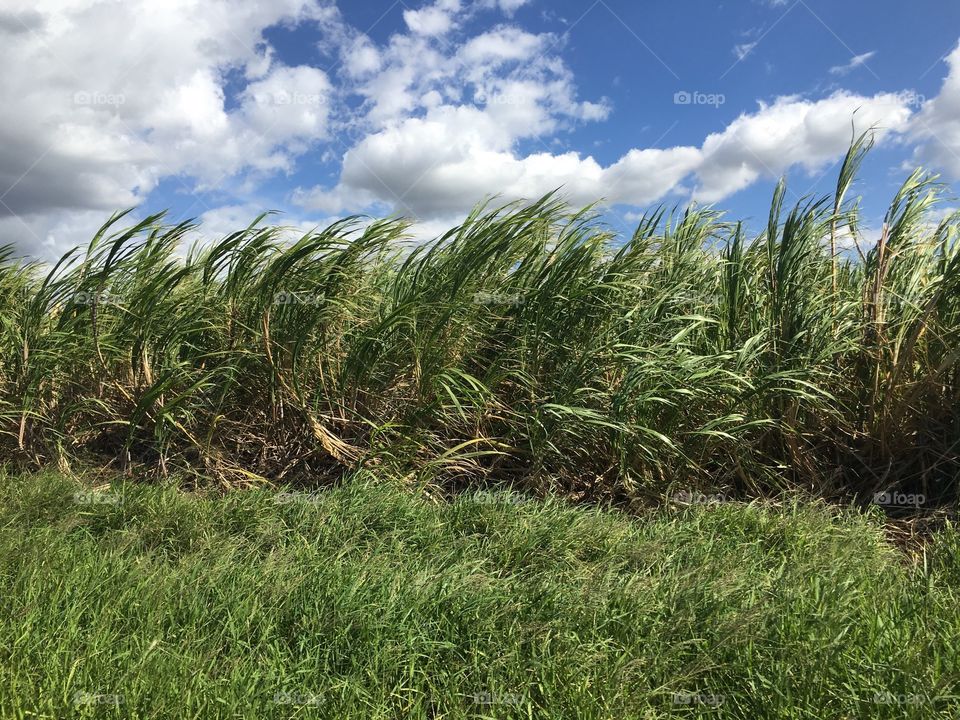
(525, 344)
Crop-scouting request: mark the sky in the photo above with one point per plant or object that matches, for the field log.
(220, 110)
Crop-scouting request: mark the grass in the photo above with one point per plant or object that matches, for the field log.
(525, 348)
(369, 601)
(524, 345)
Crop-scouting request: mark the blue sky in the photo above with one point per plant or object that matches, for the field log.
(219, 110)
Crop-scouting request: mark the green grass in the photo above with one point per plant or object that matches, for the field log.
(369, 601)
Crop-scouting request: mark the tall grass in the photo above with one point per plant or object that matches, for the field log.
(526, 345)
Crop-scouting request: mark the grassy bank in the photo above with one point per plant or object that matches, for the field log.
(524, 344)
(368, 601)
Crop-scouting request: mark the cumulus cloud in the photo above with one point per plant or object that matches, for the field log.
(502, 44)
(290, 102)
(96, 124)
(792, 131)
(443, 121)
(434, 19)
(49, 235)
(445, 162)
(361, 57)
(508, 7)
(452, 157)
(936, 127)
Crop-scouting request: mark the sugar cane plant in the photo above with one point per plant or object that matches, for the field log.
(526, 345)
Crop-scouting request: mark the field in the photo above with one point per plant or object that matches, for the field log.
(524, 470)
(523, 346)
(367, 601)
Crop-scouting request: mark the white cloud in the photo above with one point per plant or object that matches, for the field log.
(508, 7)
(120, 95)
(853, 245)
(385, 164)
(511, 6)
(792, 131)
(516, 76)
(426, 230)
(445, 162)
(361, 57)
(434, 19)
(48, 236)
(291, 102)
(502, 44)
(443, 119)
(855, 62)
(936, 127)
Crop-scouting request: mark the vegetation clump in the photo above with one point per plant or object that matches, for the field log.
(526, 344)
